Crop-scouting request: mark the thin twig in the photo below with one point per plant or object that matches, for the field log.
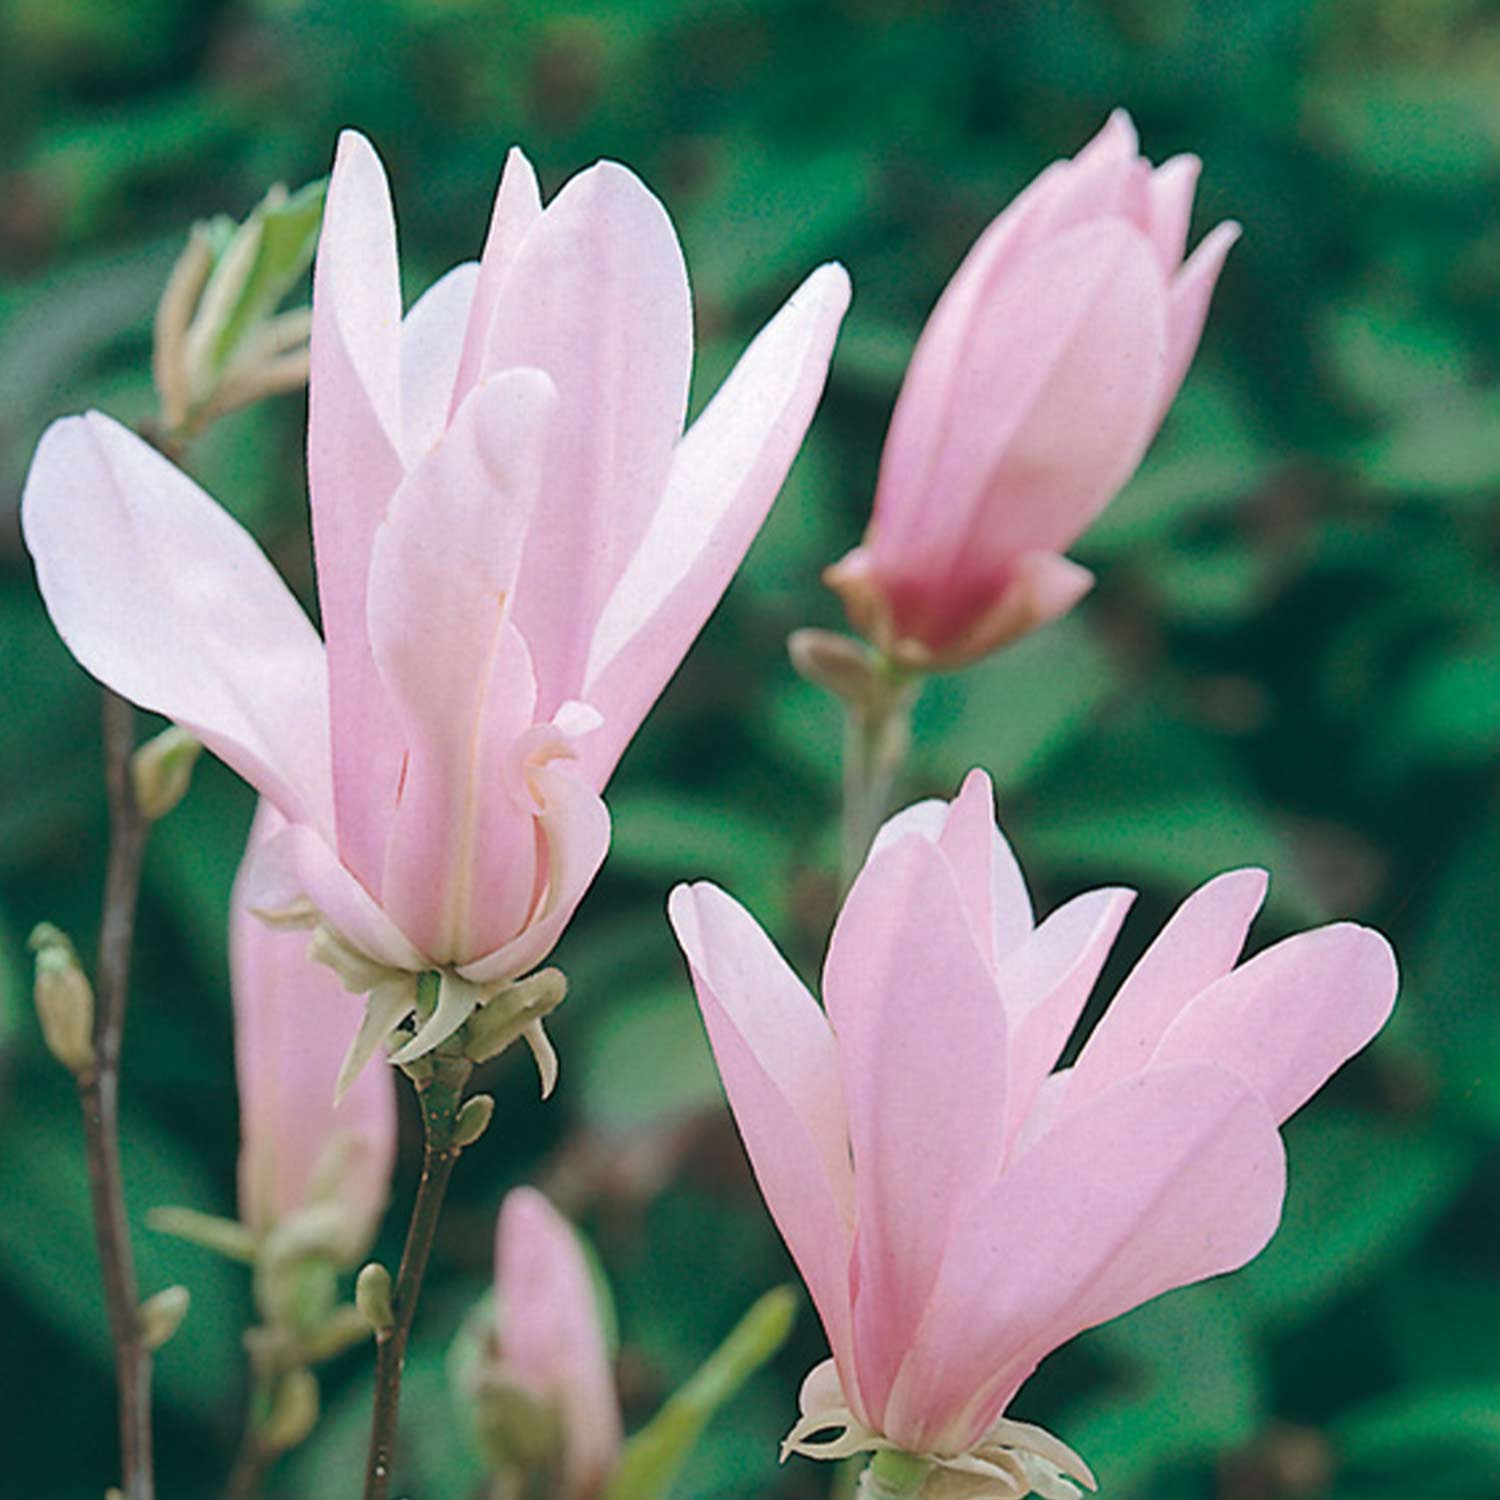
(439, 1096)
(99, 1096)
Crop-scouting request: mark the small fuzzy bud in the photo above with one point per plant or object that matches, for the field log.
(162, 770)
(473, 1119)
(64, 999)
(161, 1316)
(293, 1413)
(372, 1296)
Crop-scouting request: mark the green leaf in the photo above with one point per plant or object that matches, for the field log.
(655, 1455)
(284, 228)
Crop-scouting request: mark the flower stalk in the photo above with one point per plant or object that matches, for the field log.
(893, 1476)
(440, 1081)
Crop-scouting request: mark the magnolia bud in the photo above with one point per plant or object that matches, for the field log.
(161, 1316)
(219, 342)
(161, 771)
(844, 666)
(64, 999)
(372, 1296)
(473, 1119)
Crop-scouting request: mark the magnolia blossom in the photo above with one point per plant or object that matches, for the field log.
(516, 543)
(1040, 379)
(550, 1339)
(300, 1154)
(959, 1209)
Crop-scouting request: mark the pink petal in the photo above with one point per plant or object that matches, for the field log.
(1199, 945)
(296, 866)
(573, 826)
(552, 1341)
(1293, 1015)
(293, 1022)
(1065, 196)
(443, 571)
(1046, 983)
(1170, 195)
(518, 205)
(986, 870)
(1164, 1179)
(1048, 415)
(597, 297)
(1191, 291)
(432, 335)
(162, 595)
(724, 475)
(354, 446)
(776, 1057)
(921, 1041)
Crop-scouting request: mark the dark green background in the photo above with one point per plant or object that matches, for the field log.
(1292, 657)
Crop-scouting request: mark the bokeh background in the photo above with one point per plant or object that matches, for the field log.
(1292, 657)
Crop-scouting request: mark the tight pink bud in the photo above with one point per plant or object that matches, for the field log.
(959, 1209)
(551, 1341)
(293, 1022)
(1040, 379)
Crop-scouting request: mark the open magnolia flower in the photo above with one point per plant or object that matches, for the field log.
(516, 544)
(1041, 377)
(959, 1209)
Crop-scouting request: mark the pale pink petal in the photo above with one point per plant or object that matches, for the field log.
(443, 572)
(1049, 415)
(1199, 945)
(293, 1022)
(432, 336)
(597, 297)
(724, 475)
(1191, 291)
(354, 447)
(1046, 983)
(1293, 1015)
(573, 824)
(777, 1059)
(1164, 1179)
(296, 866)
(162, 595)
(986, 870)
(551, 1337)
(518, 205)
(921, 1040)
(1170, 194)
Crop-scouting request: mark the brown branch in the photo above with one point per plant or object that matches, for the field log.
(440, 1097)
(99, 1094)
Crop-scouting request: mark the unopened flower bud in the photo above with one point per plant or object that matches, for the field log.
(372, 1296)
(473, 1119)
(219, 343)
(161, 771)
(64, 999)
(293, 1413)
(161, 1316)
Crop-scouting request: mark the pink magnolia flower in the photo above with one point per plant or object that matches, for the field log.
(959, 1209)
(299, 1152)
(516, 544)
(551, 1341)
(1036, 386)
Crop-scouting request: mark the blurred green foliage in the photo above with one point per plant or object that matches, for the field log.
(1292, 657)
